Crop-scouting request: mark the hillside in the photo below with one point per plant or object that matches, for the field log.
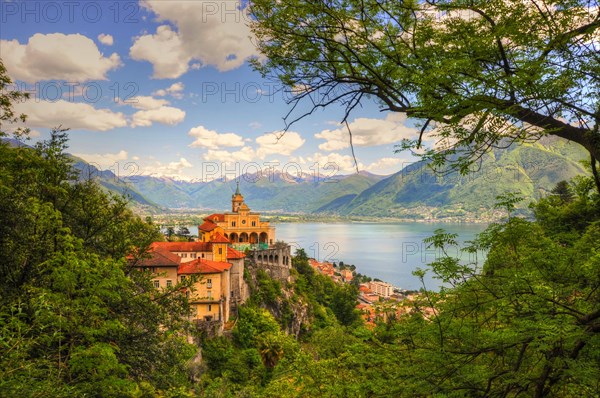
(415, 192)
(304, 194)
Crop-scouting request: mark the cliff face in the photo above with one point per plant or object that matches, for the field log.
(272, 288)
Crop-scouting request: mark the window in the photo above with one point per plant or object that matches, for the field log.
(169, 283)
(233, 223)
(193, 255)
(202, 255)
(220, 250)
(210, 307)
(254, 223)
(156, 284)
(209, 294)
(209, 283)
(183, 278)
(243, 221)
(184, 255)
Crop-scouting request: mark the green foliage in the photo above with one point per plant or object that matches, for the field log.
(526, 322)
(252, 323)
(475, 74)
(267, 289)
(320, 290)
(77, 320)
(7, 98)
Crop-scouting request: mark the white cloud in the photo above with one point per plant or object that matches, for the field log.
(57, 56)
(384, 165)
(278, 142)
(164, 50)
(171, 169)
(164, 115)
(69, 114)
(333, 162)
(174, 90)
(255, 125)
(145, 102)
(103, 160)
(245, 154)
(211, 139)
(211, 33)
(105, 39)
(368, 132)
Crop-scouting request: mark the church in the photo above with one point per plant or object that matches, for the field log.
(242, 227)
(217, 257)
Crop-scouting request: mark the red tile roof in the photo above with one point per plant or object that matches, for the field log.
(218, 238)
(234, 254)
(202, 266)
(364, 289)
(183, 246)
(160, 257)
(216, 217)
(207, 226)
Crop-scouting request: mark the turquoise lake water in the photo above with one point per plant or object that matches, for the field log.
(389, 252)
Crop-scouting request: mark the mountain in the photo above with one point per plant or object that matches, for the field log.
(274, 192)
(416, 192)
(531, 169)
(112, 183)
(105, 178)
(413, 193)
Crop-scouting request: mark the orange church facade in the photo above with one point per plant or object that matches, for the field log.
(242, 227)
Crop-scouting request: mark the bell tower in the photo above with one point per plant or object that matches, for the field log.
(237, 200)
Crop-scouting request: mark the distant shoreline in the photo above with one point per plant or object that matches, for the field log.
(192, 217)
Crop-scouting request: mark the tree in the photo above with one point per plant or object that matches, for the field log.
(76, 319)
(170, 232)
(477, 74)
(563, 191)
(526, 323)
(7, 99)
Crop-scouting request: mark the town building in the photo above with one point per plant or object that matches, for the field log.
(217, 263)
(383, 289)
(210, 299)
(220, 288)
(163, 265)
(346, 275)
(242, 227)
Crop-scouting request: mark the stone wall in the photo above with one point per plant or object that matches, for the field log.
(239, 288)
(276, 260)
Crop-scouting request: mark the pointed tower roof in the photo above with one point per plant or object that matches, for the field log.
(237, 190)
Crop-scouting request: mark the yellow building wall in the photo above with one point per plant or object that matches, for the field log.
(206, 299)
(219, 252)
(241, 222)
(190, 256)
(207, 236)
(163, 276)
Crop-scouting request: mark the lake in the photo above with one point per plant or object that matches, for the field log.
(389, 252)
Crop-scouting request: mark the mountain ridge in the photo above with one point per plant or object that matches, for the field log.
(415, 192)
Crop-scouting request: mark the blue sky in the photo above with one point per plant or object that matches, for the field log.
(164, 88)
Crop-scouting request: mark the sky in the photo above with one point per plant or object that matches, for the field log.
(164, 88)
